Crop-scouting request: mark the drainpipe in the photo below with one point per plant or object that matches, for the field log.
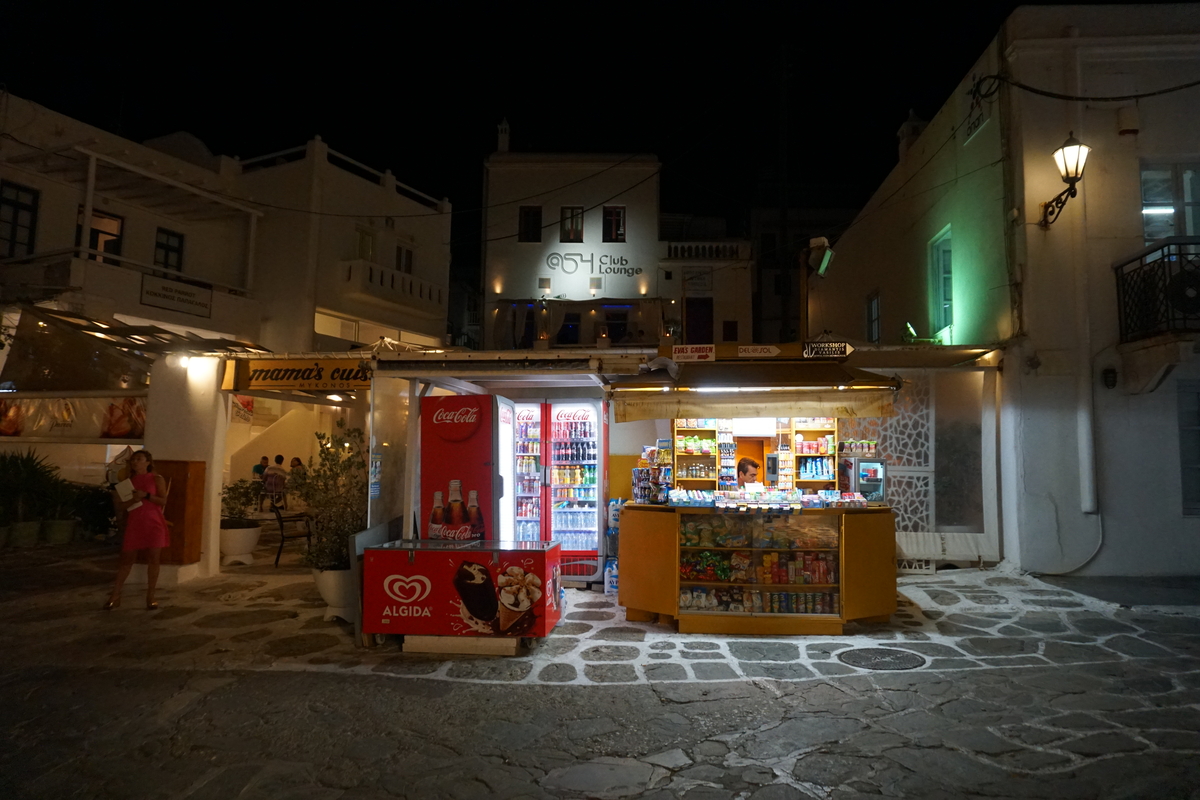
(1084, 401)
(89, 195)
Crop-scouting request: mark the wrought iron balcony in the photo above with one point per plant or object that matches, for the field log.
(1158, 289)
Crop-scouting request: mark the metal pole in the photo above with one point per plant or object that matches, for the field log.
(252, 235)
(89, 194)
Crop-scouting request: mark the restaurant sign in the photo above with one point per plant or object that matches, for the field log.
(176, 296)
(321, 375)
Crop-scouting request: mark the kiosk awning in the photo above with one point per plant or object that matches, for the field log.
(787, 389)
(630, 406)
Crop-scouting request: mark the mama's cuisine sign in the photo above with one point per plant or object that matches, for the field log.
(307, 375)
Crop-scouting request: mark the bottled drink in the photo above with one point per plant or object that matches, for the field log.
(474, 516)
(436, 518)
(457, 514)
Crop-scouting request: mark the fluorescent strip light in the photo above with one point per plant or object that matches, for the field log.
(1158, 210)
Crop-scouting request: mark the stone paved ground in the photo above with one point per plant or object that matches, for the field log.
(237, 687)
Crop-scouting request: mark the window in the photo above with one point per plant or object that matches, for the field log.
(18, 219)
(106, 234)
(1170, 201)
(366, 245)
(595, 285)
(529, 225)
(569, 332)
(404, 260)
(729, 330)
(543, 284)
(571, 225)
(617, 321)
(168, 250)
(1189, 445)
(614, 224)
(942, 280)
(873, 331)
(766, 248)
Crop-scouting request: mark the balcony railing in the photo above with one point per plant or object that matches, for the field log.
(708, 251)
(1158, 289)
(370, 281)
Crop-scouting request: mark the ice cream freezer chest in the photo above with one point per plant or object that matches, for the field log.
(461, 588)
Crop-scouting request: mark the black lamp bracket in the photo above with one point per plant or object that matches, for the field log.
(1051, 209)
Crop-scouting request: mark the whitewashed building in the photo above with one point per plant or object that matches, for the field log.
(1089, 429)
(573, 256)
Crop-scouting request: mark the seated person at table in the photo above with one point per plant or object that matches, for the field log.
(747, 471)
(275, 483)
(260, 468)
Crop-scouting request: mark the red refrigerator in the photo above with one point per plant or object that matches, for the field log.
(466, 467)
(561, 465)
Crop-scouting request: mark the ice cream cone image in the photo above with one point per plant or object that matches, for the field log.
(510, 616)
(519, 590)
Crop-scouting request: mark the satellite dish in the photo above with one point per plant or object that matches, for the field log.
(1183, 292)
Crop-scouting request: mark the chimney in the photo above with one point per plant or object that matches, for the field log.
(909, 132)
(502, 137)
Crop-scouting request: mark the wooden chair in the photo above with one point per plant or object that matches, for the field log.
(283, 519)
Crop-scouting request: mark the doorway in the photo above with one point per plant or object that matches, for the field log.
(698, 320)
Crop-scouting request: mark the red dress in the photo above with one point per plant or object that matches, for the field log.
(145, 526)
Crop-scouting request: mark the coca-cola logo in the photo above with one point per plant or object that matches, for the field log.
(573, 415)
(506, 415)
(461, 532)
(456, 418)
(525, 415)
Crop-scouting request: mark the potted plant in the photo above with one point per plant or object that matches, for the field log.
(58, 516)
(94, 510)
(239, 533)
(335, 491)
(28, 476)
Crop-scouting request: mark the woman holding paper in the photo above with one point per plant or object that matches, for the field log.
(145, 526)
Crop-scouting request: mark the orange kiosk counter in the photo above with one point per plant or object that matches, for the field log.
(722, 571)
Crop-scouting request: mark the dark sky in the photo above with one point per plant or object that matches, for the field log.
(421, 92)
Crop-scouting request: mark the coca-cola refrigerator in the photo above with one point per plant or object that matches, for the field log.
(561, 470)
(531, 471)
(467, 467)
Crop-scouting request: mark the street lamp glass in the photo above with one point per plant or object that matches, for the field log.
(1071, 158)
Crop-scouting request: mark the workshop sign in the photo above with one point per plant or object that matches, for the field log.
(307, 374)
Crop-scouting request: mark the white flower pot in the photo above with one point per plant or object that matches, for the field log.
(337, 590)
(237, 545)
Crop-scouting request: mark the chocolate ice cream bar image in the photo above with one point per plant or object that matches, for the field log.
(478, 593)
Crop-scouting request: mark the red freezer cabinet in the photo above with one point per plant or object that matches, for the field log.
(461, 588)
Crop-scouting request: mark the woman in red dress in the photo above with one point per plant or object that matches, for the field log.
(145, 526)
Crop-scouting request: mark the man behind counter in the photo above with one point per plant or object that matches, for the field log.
(747, 471)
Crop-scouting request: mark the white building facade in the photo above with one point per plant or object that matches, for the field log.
(572, 256)
(1095, 439)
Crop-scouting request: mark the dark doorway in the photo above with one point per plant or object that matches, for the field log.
(698, 322)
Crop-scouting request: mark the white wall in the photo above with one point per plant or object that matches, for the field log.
(186, 416)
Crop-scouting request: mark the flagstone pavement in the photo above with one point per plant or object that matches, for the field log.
(985, 683)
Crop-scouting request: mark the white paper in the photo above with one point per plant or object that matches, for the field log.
(125, 492)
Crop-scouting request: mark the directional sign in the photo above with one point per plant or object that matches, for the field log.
(828, 349)
(694, 352)
(758, 351)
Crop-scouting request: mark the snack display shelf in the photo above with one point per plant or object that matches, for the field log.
(859, 544)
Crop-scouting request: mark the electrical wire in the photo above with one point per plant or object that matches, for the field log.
(978, 92)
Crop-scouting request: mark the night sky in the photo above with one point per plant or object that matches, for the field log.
(421, 92)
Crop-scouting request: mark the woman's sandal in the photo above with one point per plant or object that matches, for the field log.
(111, 604)
(152, 605)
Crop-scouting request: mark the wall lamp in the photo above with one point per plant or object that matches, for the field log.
(1070, 160)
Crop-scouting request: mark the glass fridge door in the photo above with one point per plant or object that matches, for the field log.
(575, 475)
(871, 476)
(527, 498)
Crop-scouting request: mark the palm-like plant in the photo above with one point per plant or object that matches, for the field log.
(27, 478)
(335, 490)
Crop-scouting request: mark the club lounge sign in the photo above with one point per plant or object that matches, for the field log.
(297, 374)
(605, 264)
